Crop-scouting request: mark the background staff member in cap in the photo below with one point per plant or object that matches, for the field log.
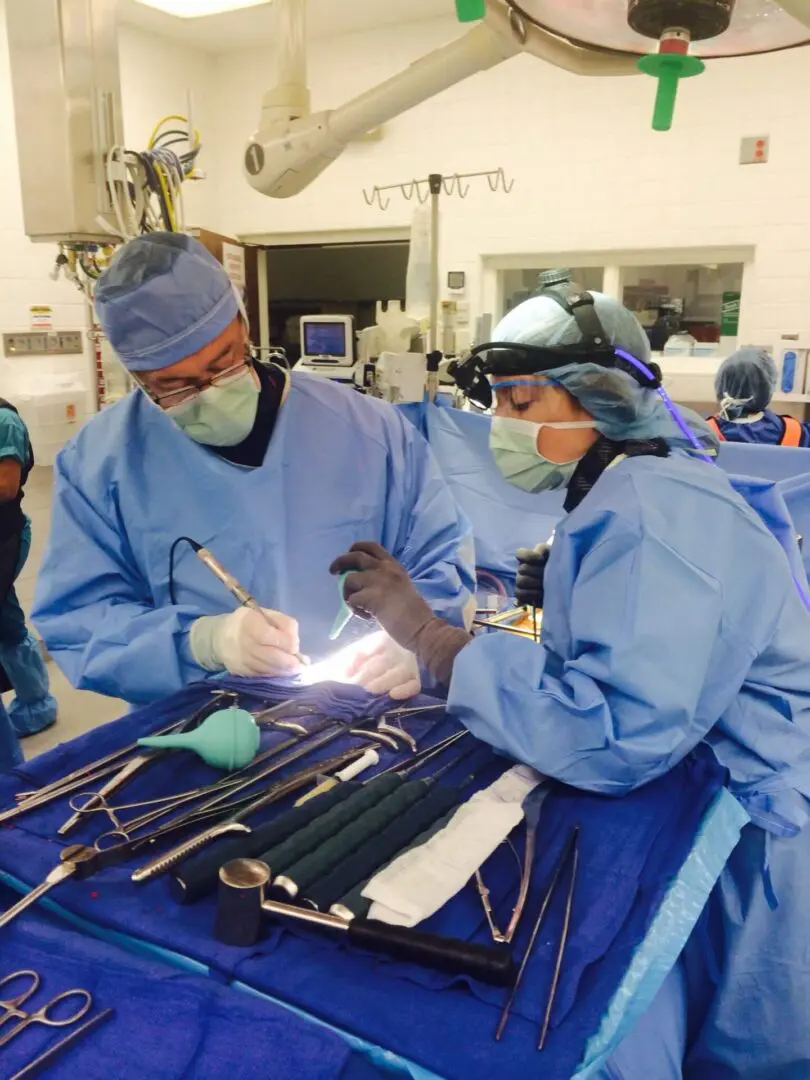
(33, 708)
(744, 385)
(274, 473)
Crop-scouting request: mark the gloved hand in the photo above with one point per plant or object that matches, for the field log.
(378, 585)
(531, 569)
(246, 643)
(381, 666)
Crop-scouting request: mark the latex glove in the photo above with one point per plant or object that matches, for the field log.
(529, 590)
(381, 666)
(247, 643)
(378, 585)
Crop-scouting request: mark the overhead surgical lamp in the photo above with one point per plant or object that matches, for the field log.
(586, 37)
(717, 27)
(686, 32)
(197, 9)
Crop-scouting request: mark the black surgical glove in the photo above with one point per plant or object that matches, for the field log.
(531, 568)
(380, 586)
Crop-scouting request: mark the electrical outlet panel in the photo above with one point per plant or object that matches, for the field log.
(39, 343)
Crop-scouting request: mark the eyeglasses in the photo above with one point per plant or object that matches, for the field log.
(188, 393)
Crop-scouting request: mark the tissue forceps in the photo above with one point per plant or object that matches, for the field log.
(12, 1006)
(569, 852)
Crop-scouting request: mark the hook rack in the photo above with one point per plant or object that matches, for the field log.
(433, 187)
(454, 184)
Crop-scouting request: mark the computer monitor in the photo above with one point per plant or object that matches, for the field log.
(327, 340)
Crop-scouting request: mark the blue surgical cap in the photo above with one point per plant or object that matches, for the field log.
(163, 298)
(622, 409)
(745, 383)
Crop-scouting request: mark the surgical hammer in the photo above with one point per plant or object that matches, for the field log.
(242, 907)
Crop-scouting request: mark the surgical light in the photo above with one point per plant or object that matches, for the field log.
(685, 30)
(195, 9)
(753, 26)
(337, 667)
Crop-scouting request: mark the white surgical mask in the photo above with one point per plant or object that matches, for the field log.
(513, 443)
(221, 415)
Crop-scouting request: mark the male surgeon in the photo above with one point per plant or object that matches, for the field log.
(274, 473)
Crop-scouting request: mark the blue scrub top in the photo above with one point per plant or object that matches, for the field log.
(13, 436)
(14, 442)
(768, 430)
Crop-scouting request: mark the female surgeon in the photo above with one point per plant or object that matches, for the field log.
(744, 385)
(671, 615)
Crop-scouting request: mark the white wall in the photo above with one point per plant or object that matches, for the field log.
(155, 76)
(24, 267)
(590, 175)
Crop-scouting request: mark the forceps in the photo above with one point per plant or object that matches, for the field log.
(12, 1006)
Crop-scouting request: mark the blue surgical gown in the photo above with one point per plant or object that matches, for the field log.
(671, 617)
(340, 467)
(767, 430)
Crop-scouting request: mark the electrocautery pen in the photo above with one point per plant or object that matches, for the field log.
(235, 589)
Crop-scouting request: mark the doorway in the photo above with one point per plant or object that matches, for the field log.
(330, 279)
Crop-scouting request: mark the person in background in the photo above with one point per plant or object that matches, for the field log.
(274, 472)
(667, 324)
(33, 708)
(671, 617)
(744, 386)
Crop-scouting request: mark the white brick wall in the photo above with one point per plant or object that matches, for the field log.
(590, 175)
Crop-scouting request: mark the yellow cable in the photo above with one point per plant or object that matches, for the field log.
(165, 120)
(167, 197)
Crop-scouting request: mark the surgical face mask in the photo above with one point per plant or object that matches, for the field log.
(223, 414)
(514, 446)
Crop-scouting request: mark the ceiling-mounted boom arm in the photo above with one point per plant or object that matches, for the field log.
(286, 155)
(293, 147)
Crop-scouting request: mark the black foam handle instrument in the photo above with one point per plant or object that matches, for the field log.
(299, 877)
(198, 876)
(486, 963)
(382, 848)
(357, 905)
(299, 844)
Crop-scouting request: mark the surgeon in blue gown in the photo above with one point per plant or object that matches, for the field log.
(744, 386)
(672, 614)
(275, 473)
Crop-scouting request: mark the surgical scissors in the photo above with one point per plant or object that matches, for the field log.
(91, 802)
(13, 1010)
(81, 777)
(142, 760)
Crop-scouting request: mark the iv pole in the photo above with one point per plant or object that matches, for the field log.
(432, 188)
